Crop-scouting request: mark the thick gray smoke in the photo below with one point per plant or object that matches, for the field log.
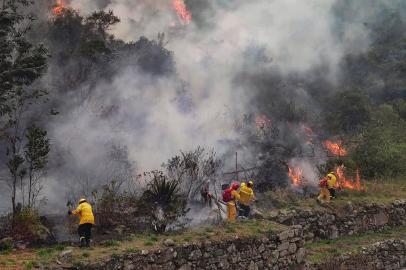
(153, 118)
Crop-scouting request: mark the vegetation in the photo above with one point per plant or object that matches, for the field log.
(324, 250)
(163, 201)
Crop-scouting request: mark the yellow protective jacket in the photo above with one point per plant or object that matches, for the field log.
(246, 195)
(331, 180)
(85, 213)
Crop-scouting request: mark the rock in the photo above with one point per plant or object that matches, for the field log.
(195, 255)
(349, 207)
(333, 232)
(283, 235)
(292, 248)
(300, 255)
(381, 219)
(256, 214)
(120, 229)
(169, 242)
(129, 266)
(144, 252)
(252, 266)
(185, 267)
(21, 246)
(66, 255)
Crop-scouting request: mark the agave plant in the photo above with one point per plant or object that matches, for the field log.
(163, 201)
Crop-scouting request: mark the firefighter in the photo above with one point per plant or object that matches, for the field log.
(246, 198)
(86, 221)
(331, 183)
(230, 196)
(324, 195)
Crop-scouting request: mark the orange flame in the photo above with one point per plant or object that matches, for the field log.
(335, 148)
(182, 11)
(347, 183)
(58, 8)
(262, 121)
(295, 175)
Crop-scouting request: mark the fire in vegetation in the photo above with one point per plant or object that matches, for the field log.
(345, 182)
(335, 148)
(58, 8)
(295, 176)
(182, 11)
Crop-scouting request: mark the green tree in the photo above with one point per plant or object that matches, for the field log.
(348, 112)
(36, 155)
(382, 151)
(21, 64)
(99, 22)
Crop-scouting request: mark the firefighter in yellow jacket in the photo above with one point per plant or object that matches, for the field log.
(86, 221)
(246, 198)
(331, 184)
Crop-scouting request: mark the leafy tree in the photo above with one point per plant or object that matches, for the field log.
(348, 111)
(36, 155)
(382, 151)
(21, 64)
(100, 22)
(192, 169)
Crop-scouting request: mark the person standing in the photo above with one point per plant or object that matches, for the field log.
(86, 221)
(246, 198)
(230, 196)
(331, 183)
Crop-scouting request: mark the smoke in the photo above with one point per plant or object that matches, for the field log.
(218, 60)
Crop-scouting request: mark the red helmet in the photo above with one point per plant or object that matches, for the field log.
(235, 186)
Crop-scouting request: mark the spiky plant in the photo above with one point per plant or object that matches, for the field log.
(163, 201)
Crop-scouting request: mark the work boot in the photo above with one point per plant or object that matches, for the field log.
(82, 242)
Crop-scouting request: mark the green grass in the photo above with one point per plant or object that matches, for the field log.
(326, 249)
(110, 243)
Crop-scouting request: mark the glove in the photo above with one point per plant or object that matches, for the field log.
(69, 212)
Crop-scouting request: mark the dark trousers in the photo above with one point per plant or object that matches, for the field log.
(332, 192)
(244, 210)
(85, 230)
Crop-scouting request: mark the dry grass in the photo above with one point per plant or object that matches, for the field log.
(385, 192)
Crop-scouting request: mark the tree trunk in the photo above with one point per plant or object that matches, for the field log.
(30, 187)
(13, 197)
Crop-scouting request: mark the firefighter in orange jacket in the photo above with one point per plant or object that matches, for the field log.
(230, 196)
(86, 221)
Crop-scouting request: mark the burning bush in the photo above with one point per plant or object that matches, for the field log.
(163, 201)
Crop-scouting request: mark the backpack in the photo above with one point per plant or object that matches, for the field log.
(227, 195)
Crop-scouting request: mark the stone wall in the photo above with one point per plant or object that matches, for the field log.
(386, 255)
(277, 251)
(349, 220)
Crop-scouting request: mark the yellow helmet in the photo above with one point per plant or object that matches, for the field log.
(82, 200)
(250, 183)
